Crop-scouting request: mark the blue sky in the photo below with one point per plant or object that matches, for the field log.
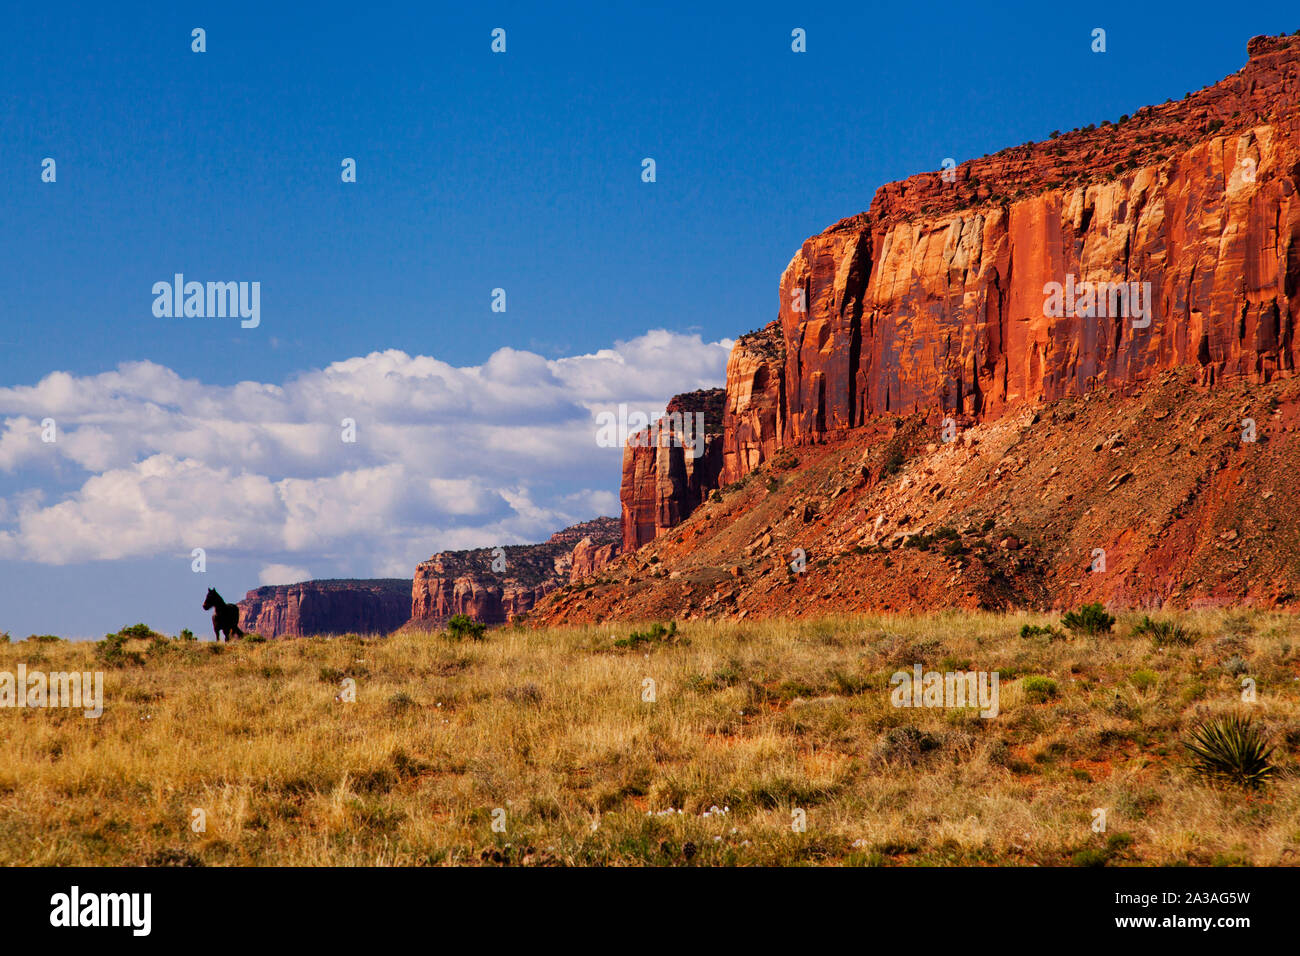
(475, 171)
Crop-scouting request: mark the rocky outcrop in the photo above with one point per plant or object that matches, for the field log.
(937, 298)
(588, 557)
(341, 606)
(669, 468)
(495, 585)
(754, 410)
(1101, 257)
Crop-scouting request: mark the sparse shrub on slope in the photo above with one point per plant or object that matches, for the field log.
(657, 632)
(1231, 749)
(1091, 619)
(1163, 633)
(112, 651)
(462, 626)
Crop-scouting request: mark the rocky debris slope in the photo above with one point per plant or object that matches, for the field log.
(1150, 500)
(668, 470)
(464, 582)
(336, 606)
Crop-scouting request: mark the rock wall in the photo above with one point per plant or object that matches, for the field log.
(377, 606)
(935, 298)
(669, 469)
(754, 412)
(465, 582)
(939, 297)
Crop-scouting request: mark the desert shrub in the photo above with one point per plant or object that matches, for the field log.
(1039, 689)
(906, 745)
(462, 625)
(1090, 619)
(1164, 633)
(1231, 749)
(1143, 679)
(254, 638)
(112, 651)
(400, 702)
(894, 457)
(657, 632)
(1037, 630)
(43, 638)
(187, 635)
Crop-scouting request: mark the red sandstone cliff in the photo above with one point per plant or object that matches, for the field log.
(934, 299)
(1084, 432)
(670, 468)
(377, 606)
(464, 582)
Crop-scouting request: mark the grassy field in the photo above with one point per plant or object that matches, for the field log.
(757, 720)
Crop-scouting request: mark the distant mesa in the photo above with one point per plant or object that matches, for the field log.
(464, 582)
(335, 606)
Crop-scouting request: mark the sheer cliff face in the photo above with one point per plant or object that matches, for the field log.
(467, 582)
(669, 469)
(1171, 239)
(754, 411)
(327, 607)
(901, 309)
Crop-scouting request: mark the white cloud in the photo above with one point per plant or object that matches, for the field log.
(153, 464)
(282, 574)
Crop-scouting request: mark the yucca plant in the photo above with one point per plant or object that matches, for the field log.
(1164, 632)
(1232, 749)
(1090, 619)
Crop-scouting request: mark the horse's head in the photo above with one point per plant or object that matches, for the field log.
(212, 600)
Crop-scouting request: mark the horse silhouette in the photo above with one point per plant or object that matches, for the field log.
(225, 617)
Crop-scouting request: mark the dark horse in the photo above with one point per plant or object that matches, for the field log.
(225, 617)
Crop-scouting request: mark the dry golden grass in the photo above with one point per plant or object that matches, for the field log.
(550, 727)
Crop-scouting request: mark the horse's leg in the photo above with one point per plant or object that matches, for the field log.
(216, 629)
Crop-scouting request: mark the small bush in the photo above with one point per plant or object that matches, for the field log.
(187, 635)
(1091, 619)
(1143, 679)
(1164, 633)
(112, 651)
(657, 632)
(1231, 749)
(1039, 689)
(254, 638)
(462, 625)
(1037, 630)
(400, 702)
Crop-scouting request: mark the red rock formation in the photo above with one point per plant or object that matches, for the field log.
(934, 298)
(588, 558)
(464, 582)
(754, 413)
(670, 468)
(377, 606)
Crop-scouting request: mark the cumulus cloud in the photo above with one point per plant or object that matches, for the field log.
(151, 463)
(282, 574)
